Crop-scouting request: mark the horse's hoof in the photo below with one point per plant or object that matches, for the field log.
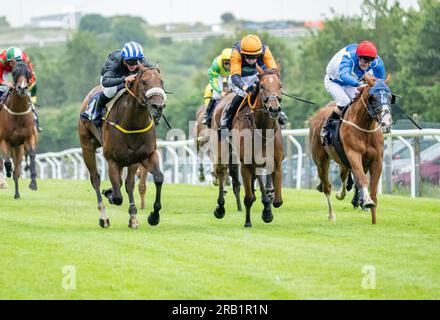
(153, 219)
(332, 218)
(4, 185)
(117, 201)
(277, 204)
(104, 223)
(369, 204)
(202, 178)
(133, 223)
(33, 186)
(267, 216)
(319, 187)
(219, 212)
(340, 196)
(17, 196)
(248, 225)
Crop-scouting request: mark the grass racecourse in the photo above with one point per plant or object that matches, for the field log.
(51, 247)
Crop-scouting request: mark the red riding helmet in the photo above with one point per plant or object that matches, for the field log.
(366, 49)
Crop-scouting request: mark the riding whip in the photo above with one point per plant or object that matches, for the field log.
(408, 116)
(303, 100)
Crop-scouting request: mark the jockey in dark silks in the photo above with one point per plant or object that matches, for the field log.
(119, 68)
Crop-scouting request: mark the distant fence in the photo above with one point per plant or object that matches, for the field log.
(179, 161)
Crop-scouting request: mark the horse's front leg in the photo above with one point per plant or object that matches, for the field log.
(220, 172)
(267, 215)
(249, 198)
(152, 165)
(114, 195)
(361, 178)
(133, 222)
(277, 184)
(142, 185)
(17, 156)
(375, 172)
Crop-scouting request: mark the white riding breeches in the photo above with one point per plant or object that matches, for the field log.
(109, 92)
(343, 95)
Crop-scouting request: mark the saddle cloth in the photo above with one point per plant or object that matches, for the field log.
(335, 139)
(94, 115)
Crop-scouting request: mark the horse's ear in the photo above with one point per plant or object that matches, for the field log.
(260, 70)
(369, 80)
(388, 79)
(279, 68)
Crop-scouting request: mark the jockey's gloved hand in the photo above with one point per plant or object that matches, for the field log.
(250, 89)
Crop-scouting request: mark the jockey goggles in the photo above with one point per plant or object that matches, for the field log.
(132, 62)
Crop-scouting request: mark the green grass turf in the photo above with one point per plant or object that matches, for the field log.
(193, 255)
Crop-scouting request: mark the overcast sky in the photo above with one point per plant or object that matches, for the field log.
(208, 11)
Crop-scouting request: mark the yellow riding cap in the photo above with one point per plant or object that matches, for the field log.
(226, 54)
(251, 45)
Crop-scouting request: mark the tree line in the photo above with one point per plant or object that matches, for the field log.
(408, 41)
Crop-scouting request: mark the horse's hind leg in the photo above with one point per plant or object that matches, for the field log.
(323, 166)
(3, 183)
(31, 152)
(152, 165)
(89, 156)
(267, 215)
(129, 188)
(234, 172)
(220, 172)
(343, 173)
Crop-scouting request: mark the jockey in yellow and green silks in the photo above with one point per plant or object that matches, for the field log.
(220, 68)
(208, 94)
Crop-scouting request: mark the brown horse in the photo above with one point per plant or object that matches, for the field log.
(361, 134)
(17, 130)
(129, 138)
(255, 126)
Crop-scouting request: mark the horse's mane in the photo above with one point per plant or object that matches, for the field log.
(361, 91)
(271, 71)
(20, 69)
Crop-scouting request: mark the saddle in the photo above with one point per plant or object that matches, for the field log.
(94, 118)
(335, 138)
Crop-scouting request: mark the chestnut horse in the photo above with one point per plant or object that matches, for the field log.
(17, 130)
(258, 118)
(129, 138)
(361, 134)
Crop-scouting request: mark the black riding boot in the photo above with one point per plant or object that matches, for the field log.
(228, 116)
(209, 112)
(325, 137)
(102, 101)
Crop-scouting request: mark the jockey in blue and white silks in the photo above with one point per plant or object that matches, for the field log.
(345, 72)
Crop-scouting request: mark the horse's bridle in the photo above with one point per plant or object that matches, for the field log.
(155, 91)
(265, 101)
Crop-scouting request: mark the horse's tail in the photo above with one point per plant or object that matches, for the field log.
(349, 181)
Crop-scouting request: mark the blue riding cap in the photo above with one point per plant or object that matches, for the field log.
(132, 51)
(379, 85)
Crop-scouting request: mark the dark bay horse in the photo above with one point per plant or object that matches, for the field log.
(129, 138)
(361, 133)
(254, 129)
(18, 134)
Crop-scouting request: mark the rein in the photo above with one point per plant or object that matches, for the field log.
(356, 126)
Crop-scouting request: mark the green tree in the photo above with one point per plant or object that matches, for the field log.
(94, 23)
